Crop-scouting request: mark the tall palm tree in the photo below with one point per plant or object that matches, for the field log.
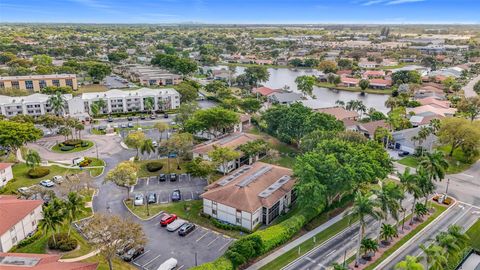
(461, 238)
(149, 104)
(147, 147)
(161, 127)
(425, 183)
(410, 263)
(388, 197)
(57, 103)
(407, 184)
(435, 165)
(53, 217)
(79, 127)
(436, 259)
(448, 243)
(32, 159)
(410, 185)
(74, 207)
(364, 206)
(388, 232)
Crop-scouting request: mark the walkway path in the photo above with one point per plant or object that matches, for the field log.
(468, 89)
(296, 242)
(81, 258)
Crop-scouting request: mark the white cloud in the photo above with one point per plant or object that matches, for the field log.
(397, 2)
(373, 2)
(91, 3)
(387, 2)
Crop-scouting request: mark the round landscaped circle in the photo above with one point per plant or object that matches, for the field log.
(71, 146)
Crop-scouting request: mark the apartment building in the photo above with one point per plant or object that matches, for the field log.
(6, 173)
(117, 101)
(35, 83)
(149, 76)
(252, 195)
(19, 220)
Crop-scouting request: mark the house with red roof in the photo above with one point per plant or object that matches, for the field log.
(19, 220)
(6, 173)
(263, 91)
(380, 83)
(349, 82)
(370, 74)
(32, 261)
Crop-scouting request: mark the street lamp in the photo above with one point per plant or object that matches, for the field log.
(446, 190)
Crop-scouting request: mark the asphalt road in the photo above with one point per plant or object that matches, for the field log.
(468, 89)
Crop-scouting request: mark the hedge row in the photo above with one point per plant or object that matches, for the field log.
(62, 242)
(38, 172)
(228, 227)
(27, 241)
(261, 242)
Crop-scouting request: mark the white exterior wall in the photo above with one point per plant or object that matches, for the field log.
(21, 230)
(229, 214)
(5, 176)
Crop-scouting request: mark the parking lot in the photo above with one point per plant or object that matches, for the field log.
(190, 187)
(203, 243)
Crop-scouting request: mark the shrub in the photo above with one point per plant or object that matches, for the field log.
(154, 166)
(228, 227)
(38, 172)
(84, 144)
(28, 241)
(63, 242)
(221, 263)
(67, 148)
(85, 162)
(72, 142)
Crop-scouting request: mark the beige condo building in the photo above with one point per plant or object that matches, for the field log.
(35, 83)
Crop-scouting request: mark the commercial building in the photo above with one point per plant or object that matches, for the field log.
(35, 83)
(117, 101)
(149, 76)
(6, 173)
(19, 220)
(31, 261)
(250, 196)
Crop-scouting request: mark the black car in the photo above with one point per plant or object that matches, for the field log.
(165, 115)
(403, 153)
(186, 229)
(173, 177)
(129, 118)
(176, 195)
(162, 177)
(152, 198)
(133, 253)
(110, 119)
(142, 117)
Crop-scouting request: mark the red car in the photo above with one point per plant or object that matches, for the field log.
(167, 219)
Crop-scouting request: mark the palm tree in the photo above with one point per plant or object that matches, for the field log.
(79, 127)
(149, 104)
(147, 147)
(57, 103)
(436, 259)
(340, 103)
(461, 238)
(420, 210)
(425, 183)
(53, 217)
(161, 127)
(407, 181)
(32, 159)
(435, 165)
(448, 243)
(364, 206)
(368, 245)
(388, 232)
(74, 207)
(410, 263)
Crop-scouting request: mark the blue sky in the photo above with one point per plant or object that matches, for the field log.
(241, 11)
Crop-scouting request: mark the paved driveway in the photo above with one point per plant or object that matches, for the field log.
(468, 89)
(190, 187)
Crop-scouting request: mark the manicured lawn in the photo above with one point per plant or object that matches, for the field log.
(439, 209)
(96, 131)
(91, 88)
(21, 178)
(143, 172)
(96, 162)
(410, 161)
(474, 233)
(56, 148)
(180, 209)
(118, 264)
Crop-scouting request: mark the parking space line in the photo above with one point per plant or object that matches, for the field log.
(202, 236)
(180, 267)
(151, 260)
(225, 245)
(209, 244)
(145, 253)
(148, 180)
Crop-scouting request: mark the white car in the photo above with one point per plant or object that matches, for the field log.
(138, 200)
(168, 264)
(23, 190)
(175, 225)
(154, 143)
(57, 179)
(47, 183)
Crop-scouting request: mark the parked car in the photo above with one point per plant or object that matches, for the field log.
(127, 246)
(173, 177)
(142, 117)
(130, 125)
(167, 219)
(152, 116)
(403, 153)
(154, 143)
(139, 200)
(175, 225)
(152, 198)
(186, 229)
(123, 125)
(23, 190)
(57, 179)
(165, 115)
(133, 253)
(47, 183)
(130, 118)
(168, 264)
(162, 177)
(110, 119)
(176, 195)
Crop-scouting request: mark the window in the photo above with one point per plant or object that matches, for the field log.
(42, 84)
(15, 85)
(2, 85)
(34, 223)
(56, 83)
(12, 229)
(14, 240)
(239, 220)
(214, 212)
(69, 82)
(32, 213)
(29, 85)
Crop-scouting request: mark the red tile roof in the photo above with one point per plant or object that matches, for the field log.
(349, 80)
(13, 210)
(339, 113)
(374, 73)
(3, 166)
(381, 82)
(264, 91)
(42, 262)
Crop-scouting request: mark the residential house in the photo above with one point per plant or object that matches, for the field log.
(250, 196)
(433, 109)
(368, 129)
(284, 97)
(340, 113)
(232, 141)
(405, 140)
(372, 74)
(380, 83)
(32, 261)
(6, 173)
(368, 64)
(263, 91)
(349, 82)
(423, 119)
(19, 220)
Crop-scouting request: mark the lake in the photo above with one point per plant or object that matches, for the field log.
(281, 77)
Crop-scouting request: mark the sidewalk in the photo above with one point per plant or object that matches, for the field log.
(296, 242)
(81, 258)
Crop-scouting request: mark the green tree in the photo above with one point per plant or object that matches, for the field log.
(135, 140)
(436, 259)
(459, 133)
(476, 87)
(364, 84)
(117, 56)
(32, 159)
(435, 165)
(254, 148)
(388, 231)
(215, 86)
(124, 175)
(147, 147)
(328, 66)
(410, 263)
(149, 104)
(256, 75)
(184, 113)
(368, 245)
(15, 135)
(305, 84)
(470, 107)
(199, 167)
(53, 217)
(42, 60)
(99, 71)
(389, 196)
(188, 92)
(161, 127)
(420, 210)
(250, 105)
(383, 136)
(180, 143)
(74, 208)
(57, 102)
(222, 156)
(213, 121)
(65, 131)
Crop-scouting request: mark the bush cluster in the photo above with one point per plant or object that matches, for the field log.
(62, 242)
(154, 166)
(73, 142)
(67, 147)
(228, 227)
(38, 172)
(28, 241)
(85, 162)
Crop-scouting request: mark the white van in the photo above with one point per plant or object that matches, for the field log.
(168, 264)
(175, 225)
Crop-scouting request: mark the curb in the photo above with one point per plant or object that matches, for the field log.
(143, 219)
(406, 244)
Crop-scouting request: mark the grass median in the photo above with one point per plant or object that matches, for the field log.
(474, 234)
(57, 148)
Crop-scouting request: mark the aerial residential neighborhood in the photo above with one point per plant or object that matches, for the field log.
(226, 135)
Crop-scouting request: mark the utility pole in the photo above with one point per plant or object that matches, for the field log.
(196, 263)
(446, 190)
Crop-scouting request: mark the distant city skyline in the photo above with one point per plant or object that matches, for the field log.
(243, 11)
